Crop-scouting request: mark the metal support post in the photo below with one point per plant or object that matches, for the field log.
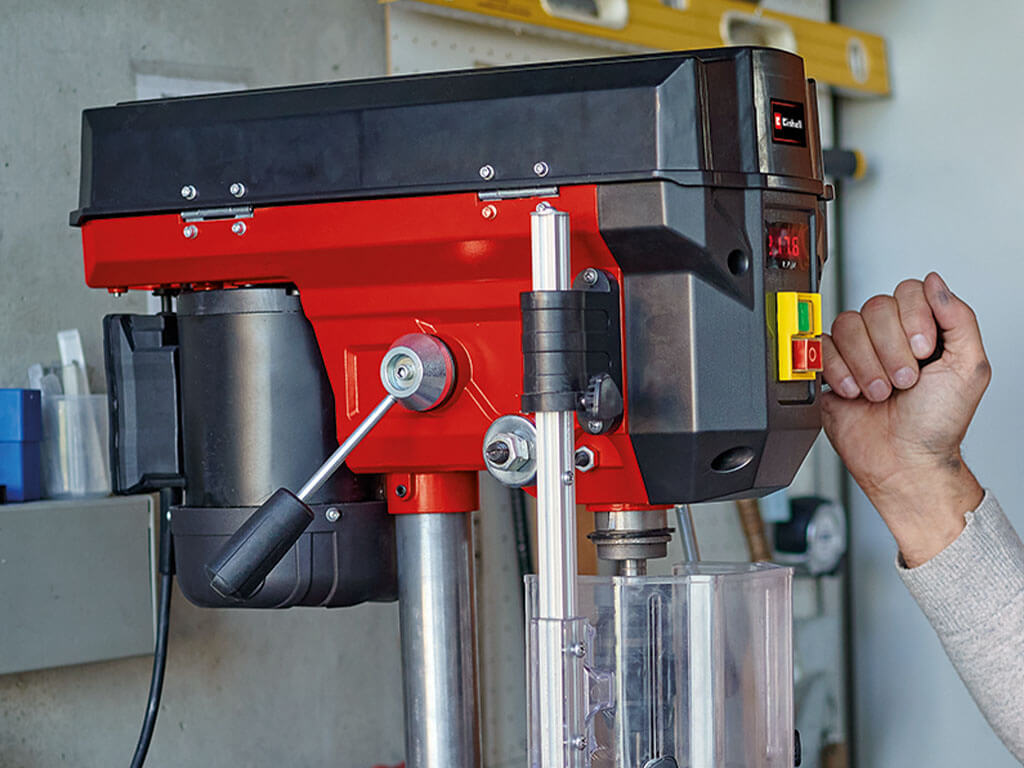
(556, 507)
(438, 619)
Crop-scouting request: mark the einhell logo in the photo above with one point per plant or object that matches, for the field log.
(788, 123)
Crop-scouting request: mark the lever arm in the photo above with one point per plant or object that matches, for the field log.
(252, 552)
(418, 371)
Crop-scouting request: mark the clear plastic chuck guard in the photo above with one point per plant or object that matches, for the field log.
(692, 670)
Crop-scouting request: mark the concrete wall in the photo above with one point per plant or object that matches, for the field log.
(944, 194)
(296, 688)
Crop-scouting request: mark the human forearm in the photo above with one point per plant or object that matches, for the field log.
(924, 507)
(973, 595)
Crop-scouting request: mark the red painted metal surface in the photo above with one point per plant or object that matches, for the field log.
(410, 493)
(370, 271)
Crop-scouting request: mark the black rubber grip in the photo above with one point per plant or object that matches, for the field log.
(251, 553)
(554, 347)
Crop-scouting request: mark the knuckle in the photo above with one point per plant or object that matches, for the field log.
(983, 371)
(876, 304)
(909, 288)
(845, 323)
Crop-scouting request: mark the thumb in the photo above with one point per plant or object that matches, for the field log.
(961, 336)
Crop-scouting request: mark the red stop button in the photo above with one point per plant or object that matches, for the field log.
(806, 355)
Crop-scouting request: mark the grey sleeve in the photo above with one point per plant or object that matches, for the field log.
(973, 594)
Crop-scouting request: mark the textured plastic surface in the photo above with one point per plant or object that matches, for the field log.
(699, 666)
(74, 448)
(334, 563)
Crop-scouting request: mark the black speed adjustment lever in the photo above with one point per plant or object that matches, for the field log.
(417, 371)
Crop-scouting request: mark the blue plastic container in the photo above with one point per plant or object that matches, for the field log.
(21, 431)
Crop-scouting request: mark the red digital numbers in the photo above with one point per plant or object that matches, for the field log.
(787, 245)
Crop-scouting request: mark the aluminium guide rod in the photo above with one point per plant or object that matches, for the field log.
(687, 533)
(556, 508)
(336, 459)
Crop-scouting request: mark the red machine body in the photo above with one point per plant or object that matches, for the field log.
(369, 271)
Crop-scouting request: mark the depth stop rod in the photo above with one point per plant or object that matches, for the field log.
(556, 505)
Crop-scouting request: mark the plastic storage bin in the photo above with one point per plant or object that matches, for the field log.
(692, 670)
(20, 433)
(74, 449)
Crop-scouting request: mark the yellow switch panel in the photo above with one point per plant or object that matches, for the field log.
(798, 329)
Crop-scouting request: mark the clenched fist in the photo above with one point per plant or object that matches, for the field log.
(897, 426)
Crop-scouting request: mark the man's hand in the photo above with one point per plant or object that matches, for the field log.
(898, 429)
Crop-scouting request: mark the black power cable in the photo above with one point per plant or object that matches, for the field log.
(168, 497)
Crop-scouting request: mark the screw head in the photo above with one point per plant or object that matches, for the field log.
(580, 743)
(567, 477)
(189, 192)
(238, 228)
(541, 168)
(594, 426)
(332, 514)
(191, 231)
(401, 491)
(237, 189)
(590, 276)
(486, 172)
(579, 650)
(543, 207)
(489, 212)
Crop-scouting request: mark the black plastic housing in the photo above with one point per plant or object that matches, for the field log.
(141, 357)
(333, 564)
(602, 120)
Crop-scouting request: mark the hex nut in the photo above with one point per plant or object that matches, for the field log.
(518, 451)
(585, 459)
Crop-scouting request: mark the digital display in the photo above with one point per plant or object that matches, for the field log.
(788, 245)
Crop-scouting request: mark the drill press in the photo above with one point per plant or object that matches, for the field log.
(597, 279)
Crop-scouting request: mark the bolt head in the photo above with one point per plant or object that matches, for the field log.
(489, 212)
(580, 743)
(189, 192)
(579, 650)
(590, 276)
(567, 477)
(238, 228)
(486, 172)
(332, 514)
(541, 168)
(237, 189)
(191, 231)
(594, 426)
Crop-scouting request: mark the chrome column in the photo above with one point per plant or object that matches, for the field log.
(438, 618)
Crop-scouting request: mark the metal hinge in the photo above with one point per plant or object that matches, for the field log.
(515, 194)
(218, 214)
